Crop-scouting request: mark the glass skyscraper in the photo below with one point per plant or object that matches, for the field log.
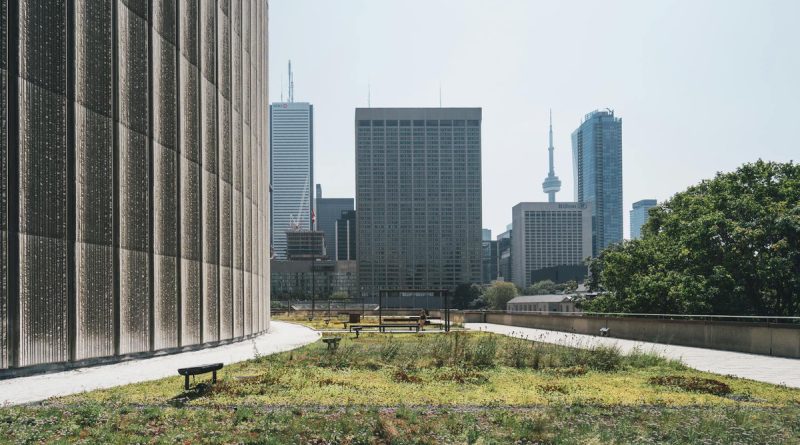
(328, 211)
(597, 170)
(639, 215)
(418, 197)
(291, 170)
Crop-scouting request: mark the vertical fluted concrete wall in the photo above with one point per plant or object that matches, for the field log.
(133, 208)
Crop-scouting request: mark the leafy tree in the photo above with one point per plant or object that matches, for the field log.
(465, 294)
(729, 245)
(500, 293)
(545, 287)
(339, 295)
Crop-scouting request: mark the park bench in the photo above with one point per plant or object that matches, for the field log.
(333, 342)
(400, 319)
(197, 370)
(382, 328)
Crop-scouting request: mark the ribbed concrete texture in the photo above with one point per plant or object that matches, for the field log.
(776, 370)
(134, 203)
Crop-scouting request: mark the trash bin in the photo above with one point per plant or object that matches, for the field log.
(355, 317)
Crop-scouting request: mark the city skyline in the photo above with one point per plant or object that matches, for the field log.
(742, 63)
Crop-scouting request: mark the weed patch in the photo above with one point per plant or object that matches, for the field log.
(694, 384)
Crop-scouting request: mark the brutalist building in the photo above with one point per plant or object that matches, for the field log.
(134, 208)
(418, 198)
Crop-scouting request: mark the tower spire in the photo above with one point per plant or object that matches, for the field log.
(551, 183)
(550, 147)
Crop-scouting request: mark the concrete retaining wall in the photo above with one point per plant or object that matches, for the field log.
(756, 338)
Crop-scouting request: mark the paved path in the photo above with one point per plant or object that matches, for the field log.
(281, 337)
(763, 368)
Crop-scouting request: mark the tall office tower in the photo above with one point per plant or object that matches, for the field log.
(418, 189)
(488, 261)
(133, 208)
(597, 169)
(328, 211)
(345, 241)
(639, 215)
(551, 183)
(505, 263)
(548, 235)
(291, 170)
(488, 257)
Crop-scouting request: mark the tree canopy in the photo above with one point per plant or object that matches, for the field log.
(546, 287)
(500, 293)
(729, 245)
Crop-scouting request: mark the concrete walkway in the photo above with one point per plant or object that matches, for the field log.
(779, 371)
(281, 337)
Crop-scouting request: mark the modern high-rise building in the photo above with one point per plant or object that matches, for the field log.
(291, 170)
(134, 205)
(548, 235)
(488, 261)
(639, 215)
(345, 241)
(551, 184)
(597, 169)
(328, 211)
(505, 263)
(486, 234)
(418, 191)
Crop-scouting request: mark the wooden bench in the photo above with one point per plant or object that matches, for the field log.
(197, 370)
(333, 342)
(401, 319)
(382, 328)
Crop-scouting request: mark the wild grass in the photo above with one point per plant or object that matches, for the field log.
(427, 388)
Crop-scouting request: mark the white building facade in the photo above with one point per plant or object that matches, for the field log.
(291, 170)
(548, 234)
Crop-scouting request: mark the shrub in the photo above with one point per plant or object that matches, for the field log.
(603, 358)
(390, 350)
(482, 353)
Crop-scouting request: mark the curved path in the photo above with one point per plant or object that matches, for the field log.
(281, 337)
(762, 368)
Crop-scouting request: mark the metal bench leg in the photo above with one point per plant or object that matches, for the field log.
(214, 377)
(186, 382)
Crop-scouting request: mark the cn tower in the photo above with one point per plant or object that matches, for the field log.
(551, 184)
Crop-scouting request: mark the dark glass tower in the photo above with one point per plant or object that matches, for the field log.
(418, 192)
(597, 168)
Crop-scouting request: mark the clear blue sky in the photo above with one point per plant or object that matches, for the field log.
(701, 86)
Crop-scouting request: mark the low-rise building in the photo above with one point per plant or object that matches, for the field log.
(543, 304)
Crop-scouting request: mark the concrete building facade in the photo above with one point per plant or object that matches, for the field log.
(549, 234)
(418, 192)
(134, 205)
(291, 170)
(597, 170)
(639, 215)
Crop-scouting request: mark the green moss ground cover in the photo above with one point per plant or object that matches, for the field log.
(432, 388)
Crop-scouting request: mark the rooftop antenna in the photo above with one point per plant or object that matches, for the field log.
(440, 94)
(291, 83)
(369, 95)
(281, 87)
